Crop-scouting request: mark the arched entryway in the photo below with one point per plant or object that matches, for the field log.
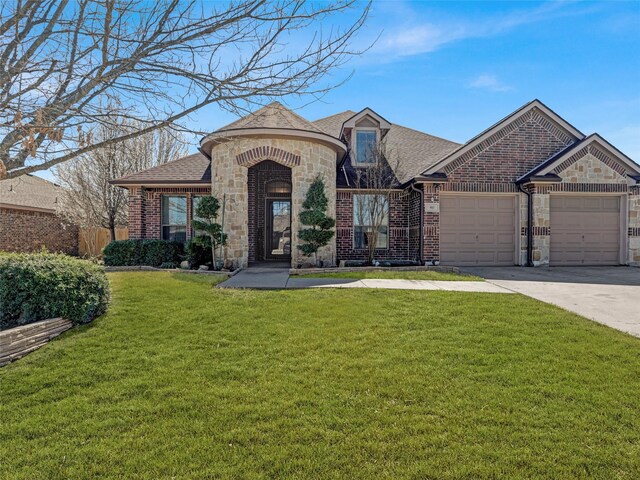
(269, 212)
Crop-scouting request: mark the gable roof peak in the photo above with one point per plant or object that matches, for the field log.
(562, 126)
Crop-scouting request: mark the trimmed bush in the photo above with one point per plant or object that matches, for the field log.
(150, 253)
(38, 286)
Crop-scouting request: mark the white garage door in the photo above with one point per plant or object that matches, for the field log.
(477, 229)
(585, 230)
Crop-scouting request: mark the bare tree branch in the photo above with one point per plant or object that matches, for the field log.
(90, 200)
(154, 63)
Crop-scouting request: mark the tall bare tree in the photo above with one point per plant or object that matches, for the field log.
(89, 200)
(375, 182)
(154, 62)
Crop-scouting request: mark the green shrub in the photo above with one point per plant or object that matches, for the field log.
(38, 286)
(151, 253)
(198, 252)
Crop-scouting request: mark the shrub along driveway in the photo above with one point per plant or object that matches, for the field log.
(181, 380)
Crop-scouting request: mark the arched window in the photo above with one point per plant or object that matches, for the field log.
(278, 187)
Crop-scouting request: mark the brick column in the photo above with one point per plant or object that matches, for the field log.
(431, 231)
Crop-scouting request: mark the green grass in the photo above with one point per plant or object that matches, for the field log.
(404, 275)
(180, 380)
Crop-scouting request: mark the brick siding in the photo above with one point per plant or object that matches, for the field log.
(145, 206)
(493, 166)
(398, 228)
(28, 231)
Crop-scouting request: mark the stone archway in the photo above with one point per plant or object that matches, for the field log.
(232, 161)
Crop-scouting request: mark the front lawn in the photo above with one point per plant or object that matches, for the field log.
(398, 274)
(180, 380)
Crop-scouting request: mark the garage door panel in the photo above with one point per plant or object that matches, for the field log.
(483, 232)
(585, 230)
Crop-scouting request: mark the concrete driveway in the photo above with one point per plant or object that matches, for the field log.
(608, 295)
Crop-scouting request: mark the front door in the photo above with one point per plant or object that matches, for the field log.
(278, 231)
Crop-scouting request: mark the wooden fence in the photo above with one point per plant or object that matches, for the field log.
(93, 240)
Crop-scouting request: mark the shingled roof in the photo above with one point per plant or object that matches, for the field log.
(30, 192)
(415, 151)
(274, 115)
(192, 169)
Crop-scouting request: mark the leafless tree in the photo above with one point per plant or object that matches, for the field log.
(90, 201)
(375, 181)
(155, 62)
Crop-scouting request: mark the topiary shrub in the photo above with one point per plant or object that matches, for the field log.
(151, 253)
(38, 286)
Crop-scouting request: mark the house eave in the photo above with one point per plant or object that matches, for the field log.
(159, 183)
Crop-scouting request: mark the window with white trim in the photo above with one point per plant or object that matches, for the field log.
(370, 211)
(365, 146)
(174, 218)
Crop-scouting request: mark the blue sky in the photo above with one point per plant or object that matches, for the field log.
(452, 69)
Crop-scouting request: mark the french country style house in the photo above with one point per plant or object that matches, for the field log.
(530, 190)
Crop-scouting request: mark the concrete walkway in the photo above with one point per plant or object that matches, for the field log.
(269, 278)
(261, 278)
(607, 295)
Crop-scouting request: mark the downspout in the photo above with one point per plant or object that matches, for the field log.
(420, 227)
(529, 225)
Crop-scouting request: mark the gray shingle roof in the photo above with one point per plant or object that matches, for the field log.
(195, 168)
(415, 151)
(274, 115)
(29, 191)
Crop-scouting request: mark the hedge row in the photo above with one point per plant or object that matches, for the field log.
(151, 253)
(38, 286)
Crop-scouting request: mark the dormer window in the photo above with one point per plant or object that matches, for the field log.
(366, 146)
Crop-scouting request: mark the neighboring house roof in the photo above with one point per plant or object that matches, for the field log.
(29, 192)
(499, 126)
(547, 167)
(192, 169)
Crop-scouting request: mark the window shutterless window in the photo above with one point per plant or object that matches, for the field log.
(370, 211)
(366, 146)
(174, 218)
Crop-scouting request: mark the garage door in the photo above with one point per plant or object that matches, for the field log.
(477, 230)
(585, 230)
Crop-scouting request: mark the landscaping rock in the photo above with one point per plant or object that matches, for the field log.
(203, 268)
(184, 265)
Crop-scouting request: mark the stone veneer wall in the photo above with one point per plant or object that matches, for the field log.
(229, 172)
(29, 231)
(588, 171)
